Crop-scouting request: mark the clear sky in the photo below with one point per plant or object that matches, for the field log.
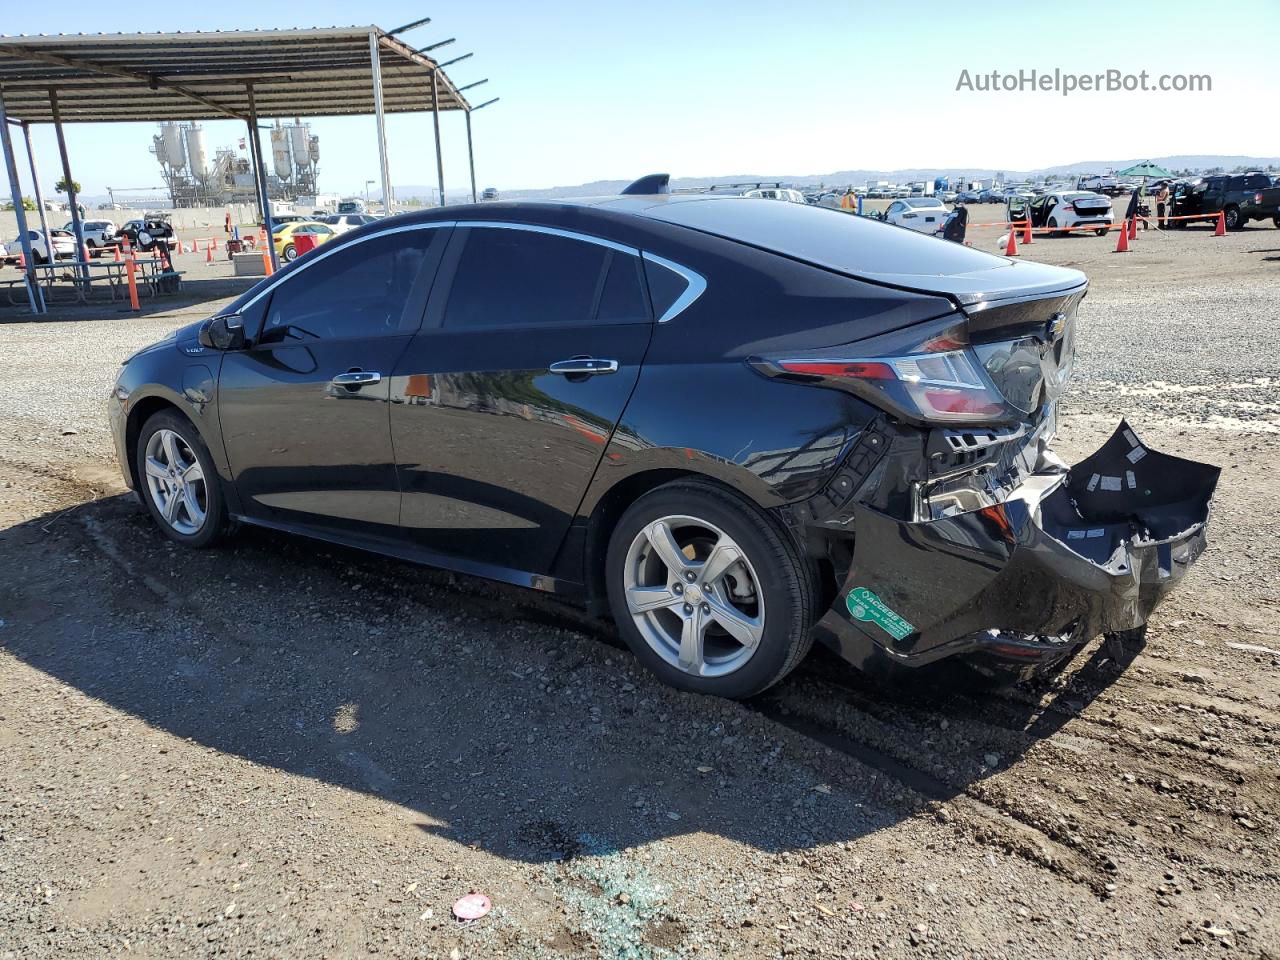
(609, 90)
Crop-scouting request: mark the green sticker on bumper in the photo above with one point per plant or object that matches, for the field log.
(869, 608)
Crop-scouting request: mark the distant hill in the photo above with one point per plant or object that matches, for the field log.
(1193, 162)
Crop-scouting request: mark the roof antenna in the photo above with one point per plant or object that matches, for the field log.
(653, 183)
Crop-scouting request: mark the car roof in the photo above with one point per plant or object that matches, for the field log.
(825, 237)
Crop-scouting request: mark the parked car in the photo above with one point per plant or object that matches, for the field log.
(736, 426)
(924, 214)
(64, 246)
(489, 194)
(99, 235)
(342, 222)
(1263, 204)
(149, 232)
(1078, 208)
(1231, 194)
(1101, 183)
(969, 196)
(993, 195)
(283, 236)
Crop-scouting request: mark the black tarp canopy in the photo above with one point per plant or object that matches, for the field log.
(318, 71)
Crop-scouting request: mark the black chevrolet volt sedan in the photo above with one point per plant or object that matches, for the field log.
(734, 425)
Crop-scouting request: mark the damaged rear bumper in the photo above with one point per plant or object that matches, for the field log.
(1025, 582)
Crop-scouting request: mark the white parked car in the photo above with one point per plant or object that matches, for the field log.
(98, 234)
(917, 213)
(777, 193)
(64, 246)
(342, 222)
(1058, 211)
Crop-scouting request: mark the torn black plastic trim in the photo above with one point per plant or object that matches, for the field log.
(1060, 555)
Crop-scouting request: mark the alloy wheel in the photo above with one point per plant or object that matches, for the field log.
(176, 482)
(694, 596)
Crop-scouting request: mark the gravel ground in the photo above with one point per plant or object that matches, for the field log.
(281, 749)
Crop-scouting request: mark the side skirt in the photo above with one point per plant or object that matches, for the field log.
(401, 551)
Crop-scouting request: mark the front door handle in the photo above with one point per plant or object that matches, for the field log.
(356, 378)
(583, 367)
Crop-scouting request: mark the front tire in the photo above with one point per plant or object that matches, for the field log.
(1232, 218)
(290, 253)
(1102, 231)
(709, 591)
(178, 481)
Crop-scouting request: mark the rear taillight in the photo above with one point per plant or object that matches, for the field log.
(942, 386)
(1257, 198)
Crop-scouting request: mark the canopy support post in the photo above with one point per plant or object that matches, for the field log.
(435, 119)
(260, 177)
(73, 200)
(375, 64)
(471, 159)
(35, 184)
(35, 296)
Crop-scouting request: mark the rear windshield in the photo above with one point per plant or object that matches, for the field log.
(826, 237)
(923, 202)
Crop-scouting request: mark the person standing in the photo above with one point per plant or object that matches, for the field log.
(1162, 201)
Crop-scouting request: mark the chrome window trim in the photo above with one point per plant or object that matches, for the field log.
(553, 231)
(325, 251)
(696, 286)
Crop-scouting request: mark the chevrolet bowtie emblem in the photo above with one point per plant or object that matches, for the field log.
(1054, 327)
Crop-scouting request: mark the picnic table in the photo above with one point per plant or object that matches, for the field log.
(70, 277)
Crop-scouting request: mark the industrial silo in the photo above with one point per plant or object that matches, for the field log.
(280, 156)
(197, 157)
(175, 154)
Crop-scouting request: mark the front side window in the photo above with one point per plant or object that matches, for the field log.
(509, 278)
(360, 290)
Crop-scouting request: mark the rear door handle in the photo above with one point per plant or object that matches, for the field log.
(356, 378)
(583, 367)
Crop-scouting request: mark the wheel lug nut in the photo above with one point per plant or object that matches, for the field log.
(689, 576)
(688, 608)
(706, 608)
(678, 588)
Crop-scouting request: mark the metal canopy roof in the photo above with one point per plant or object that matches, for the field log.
(323, 71)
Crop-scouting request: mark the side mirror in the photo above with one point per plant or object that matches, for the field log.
(222, 333)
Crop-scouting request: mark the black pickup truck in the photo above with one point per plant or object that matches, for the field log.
(1263, 205)
(1233, 194)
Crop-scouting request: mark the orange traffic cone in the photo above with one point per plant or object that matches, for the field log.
(116, 250)
(1011, 248)
(1133, 228)
(1122, 245)
(214, 241)
(1026, 231)
(208, 253)
(1221, 230)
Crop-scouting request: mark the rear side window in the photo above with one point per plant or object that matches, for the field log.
(622, 297)
(665, 287)
(361, 290)
(509, 278)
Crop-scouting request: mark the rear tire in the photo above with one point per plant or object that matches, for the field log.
(1102, 231)
(1232, 218)
(178, 481)
(290, 253)
(694, 541)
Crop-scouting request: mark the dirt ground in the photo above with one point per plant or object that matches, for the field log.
(282, 749)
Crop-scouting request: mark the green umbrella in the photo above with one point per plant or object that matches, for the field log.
(1144, 169)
